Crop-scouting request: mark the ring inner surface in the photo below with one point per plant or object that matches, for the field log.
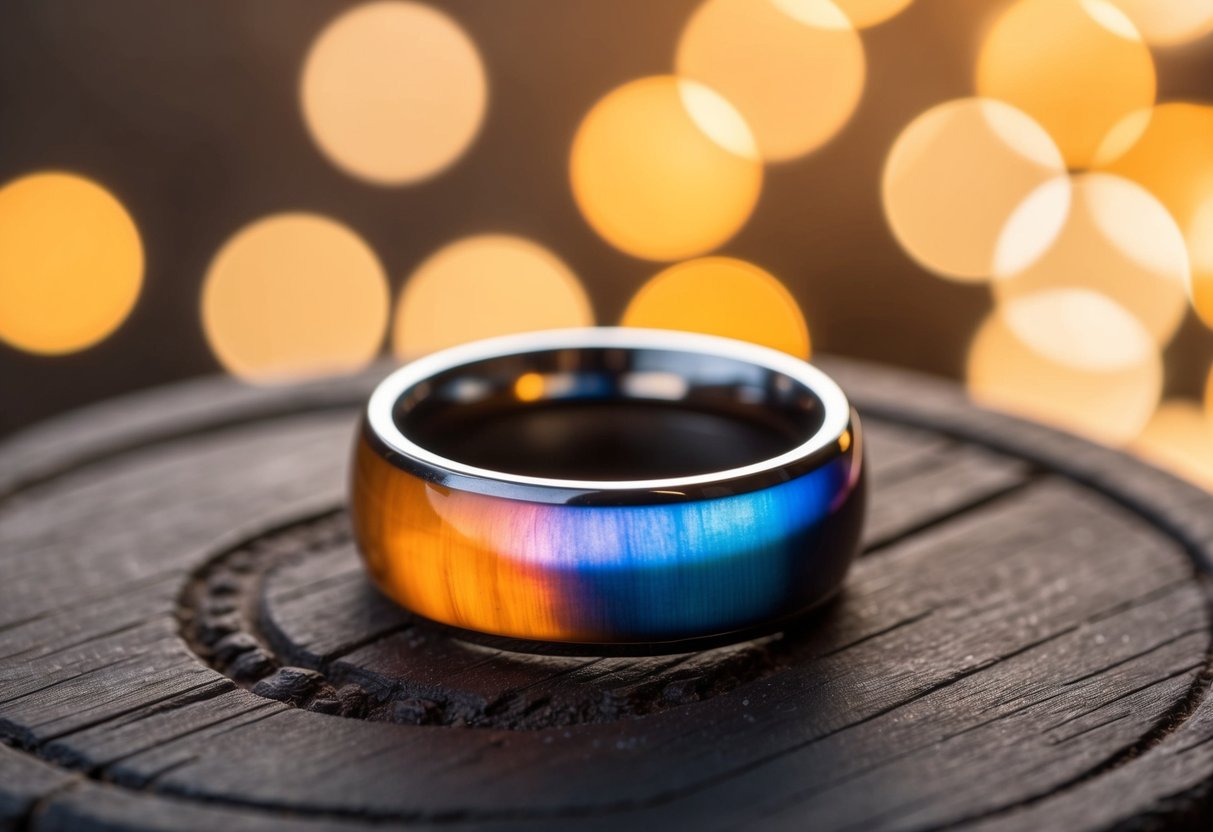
(609, 414)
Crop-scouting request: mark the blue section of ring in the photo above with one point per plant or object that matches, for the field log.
(704, 566)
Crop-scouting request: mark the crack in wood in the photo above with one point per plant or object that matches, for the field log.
(1097, 725)
(201, 692)
(979, 501)
(29, 820)
(71, 645)
(116, 450)
(1132, 692)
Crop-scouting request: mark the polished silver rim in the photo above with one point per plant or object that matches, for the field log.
(403, 451)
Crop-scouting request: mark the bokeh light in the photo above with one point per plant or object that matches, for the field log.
(665, 168)
(1118, 240)
(793, 68)
(1169, 22)
(1209, 394)
(393, 92)
(1076, 66)
(1179, 438)
(71, 263)
(722, 296)
(292, 296)
(491, 284)
(1173, 159)
(1080, 328)
(864, 13)
(954, 176)
(1111, 405)
(1199, 233)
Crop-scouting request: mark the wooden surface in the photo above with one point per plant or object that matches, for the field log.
(187, 642)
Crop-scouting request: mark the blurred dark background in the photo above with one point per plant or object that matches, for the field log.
(189, 114)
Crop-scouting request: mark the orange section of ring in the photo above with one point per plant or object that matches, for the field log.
(421, 561)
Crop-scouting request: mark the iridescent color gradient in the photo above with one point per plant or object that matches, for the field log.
(658, 572)
(705, 554)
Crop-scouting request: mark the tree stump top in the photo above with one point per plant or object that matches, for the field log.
(187, 641)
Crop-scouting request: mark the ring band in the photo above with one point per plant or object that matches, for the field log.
(608, 486)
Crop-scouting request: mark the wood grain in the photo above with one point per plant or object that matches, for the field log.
(187, 641)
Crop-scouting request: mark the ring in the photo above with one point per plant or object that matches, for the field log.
(608, 486)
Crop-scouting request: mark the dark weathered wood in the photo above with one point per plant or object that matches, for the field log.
(187, 641)
(23, 783)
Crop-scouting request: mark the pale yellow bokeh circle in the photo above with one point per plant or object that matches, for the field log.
(478, 287)
(1076, 66)
(71, 263)
(794, 69)
(1079, 328)
(864, 13)
(393, 92)
(722, 296)
(1173, 159)
(1169, 22)
(1110, 405)
(1179, 439)
(954, 176)
(293, 296)
(665, 168)
(1118, 240)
